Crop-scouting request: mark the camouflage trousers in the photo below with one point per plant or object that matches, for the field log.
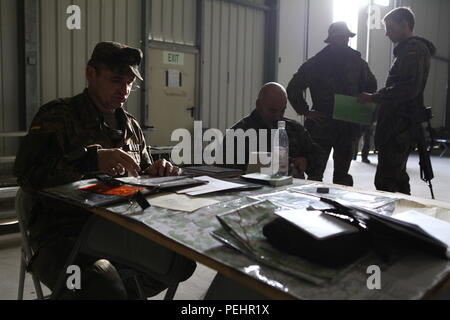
(393, 156)
(342, 138)
(113, 253)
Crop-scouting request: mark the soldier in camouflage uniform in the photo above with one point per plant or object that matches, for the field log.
(304, 154)
(399, 100)
(77, 138)
(337, 69)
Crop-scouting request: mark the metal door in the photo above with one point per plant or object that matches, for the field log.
(172, 81)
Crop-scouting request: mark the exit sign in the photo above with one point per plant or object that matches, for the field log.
(173, 58)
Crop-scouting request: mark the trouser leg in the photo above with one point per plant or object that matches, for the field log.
(99, 278)
(342, 156)
(323, 160)
(320, 134)
(157, 266)
(391, 173)
(367, 139)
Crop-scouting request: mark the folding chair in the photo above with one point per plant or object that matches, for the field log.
(24, 203)
(138, 254)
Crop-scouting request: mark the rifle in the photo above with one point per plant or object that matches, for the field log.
(423, 115)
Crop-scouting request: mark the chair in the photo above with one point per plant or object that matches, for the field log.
(23, 205)
(135, 252)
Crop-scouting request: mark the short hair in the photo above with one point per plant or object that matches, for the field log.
(401, 14)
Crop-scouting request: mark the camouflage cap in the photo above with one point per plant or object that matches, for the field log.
(339, 29)
(117, 57)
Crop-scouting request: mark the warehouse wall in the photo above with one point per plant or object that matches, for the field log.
(10, 98)
(232, 61)
(64, 52)
(174, 21)
(292, 42)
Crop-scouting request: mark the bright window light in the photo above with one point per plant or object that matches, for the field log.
(348, 11)
(383, 3)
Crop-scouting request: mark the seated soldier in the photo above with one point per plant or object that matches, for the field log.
(304, 154)
(76, 138)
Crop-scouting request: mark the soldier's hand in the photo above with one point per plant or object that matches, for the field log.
(163, 168)
(300, 164)
(315, 116)
(364, 98)
(116, 162)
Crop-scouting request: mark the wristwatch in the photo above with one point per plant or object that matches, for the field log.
(85, 158)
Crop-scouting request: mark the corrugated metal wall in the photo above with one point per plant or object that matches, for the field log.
(9, 75)
(174, 21)
(64, 52)
(232, 62)
(293, 37)
(380, 48)
(432, 23)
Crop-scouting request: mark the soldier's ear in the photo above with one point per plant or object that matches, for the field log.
(258, 105)
(91, 73)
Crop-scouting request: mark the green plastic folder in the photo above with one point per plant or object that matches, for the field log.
(347, 108)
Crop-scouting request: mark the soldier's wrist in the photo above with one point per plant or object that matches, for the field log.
(376, 98)
(84, 158)
(91, 159)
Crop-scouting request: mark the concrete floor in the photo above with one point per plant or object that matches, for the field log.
(196, 287)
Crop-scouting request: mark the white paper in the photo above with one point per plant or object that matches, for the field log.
(173, 78)
(439, 229)
(180, 202)
(318, 224)
(213, 185)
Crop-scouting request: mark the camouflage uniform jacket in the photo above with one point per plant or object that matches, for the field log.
(327, 74)
(404, 88)
(300, 142)
(53, 154)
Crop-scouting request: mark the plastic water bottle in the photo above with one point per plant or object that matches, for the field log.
(283, 149)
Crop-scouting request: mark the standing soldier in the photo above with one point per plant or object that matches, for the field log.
(400, 99)
(337, 69)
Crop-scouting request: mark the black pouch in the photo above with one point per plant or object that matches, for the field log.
(335, 251)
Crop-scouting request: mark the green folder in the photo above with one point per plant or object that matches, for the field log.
(347, 108)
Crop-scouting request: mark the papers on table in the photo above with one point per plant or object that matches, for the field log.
(213, 185)
(436, 228)
(180, 202)
(316, 223)
(347, 108)
(274, 180)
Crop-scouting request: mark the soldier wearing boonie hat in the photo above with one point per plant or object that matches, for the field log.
(337, 69)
